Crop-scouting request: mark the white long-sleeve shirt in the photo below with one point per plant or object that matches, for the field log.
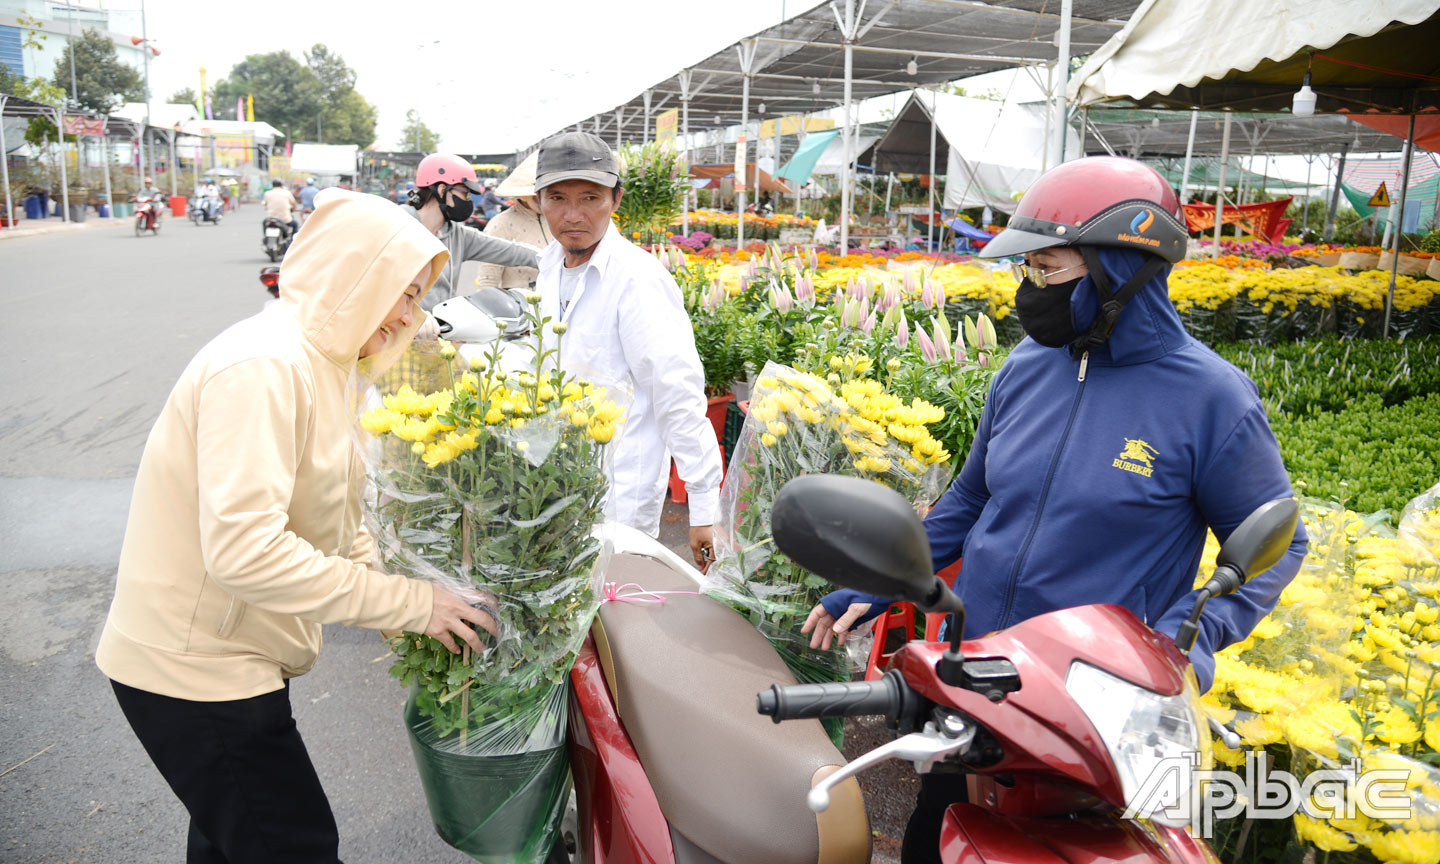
(625, 320)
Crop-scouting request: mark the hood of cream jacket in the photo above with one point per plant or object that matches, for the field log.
(244, 533)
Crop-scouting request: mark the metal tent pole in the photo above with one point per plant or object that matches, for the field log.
(1189, 154)
(1335, 194)
(5, 172)
(1062, 77)
(742, 162)
(685, 135)
(173, 187)
(845, 171)
(105, 158)
(746, 51)
(1220, 186)
(647, 96)
(64, 181)
(1305, 211)
(619, 122)
(1395, 253)
(930, 217)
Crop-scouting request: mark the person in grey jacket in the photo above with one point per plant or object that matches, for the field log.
(441, 201)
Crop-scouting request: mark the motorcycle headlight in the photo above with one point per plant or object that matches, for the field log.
(1155, 741)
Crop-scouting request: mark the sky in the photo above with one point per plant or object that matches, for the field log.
(492, 76)
(489, 76)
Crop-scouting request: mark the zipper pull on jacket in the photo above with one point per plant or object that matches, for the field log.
(1084, 364)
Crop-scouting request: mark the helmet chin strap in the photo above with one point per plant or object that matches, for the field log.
(1111, 303)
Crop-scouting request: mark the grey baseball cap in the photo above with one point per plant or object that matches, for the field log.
(576, 156)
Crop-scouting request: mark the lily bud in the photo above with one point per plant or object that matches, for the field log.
(927, 348)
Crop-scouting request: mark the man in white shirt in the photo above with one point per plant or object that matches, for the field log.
(624, 319)
(280, 204)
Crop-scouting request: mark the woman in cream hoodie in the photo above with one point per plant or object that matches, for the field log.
(245, 536)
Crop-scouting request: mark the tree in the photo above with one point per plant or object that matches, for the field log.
(102, 82)
(286, 93)
(416, 136)
(346, 117)
(335, 78)
(8, 80)
(183, 96)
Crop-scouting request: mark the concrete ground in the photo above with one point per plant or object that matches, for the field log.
(97, 326)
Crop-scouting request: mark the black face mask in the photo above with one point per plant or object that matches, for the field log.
(1045, 312)
(458, 211)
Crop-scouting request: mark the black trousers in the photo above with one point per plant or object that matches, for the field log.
(922, 834)
(242, 772)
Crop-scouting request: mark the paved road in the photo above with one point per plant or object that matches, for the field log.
(97, 325)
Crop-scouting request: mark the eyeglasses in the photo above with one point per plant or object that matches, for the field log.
(1037, 275)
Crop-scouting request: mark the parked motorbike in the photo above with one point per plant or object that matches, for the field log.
(277, 236)
(1057, 722)
(147, 215)
(270, 278)
(204, 209)
(670, 764)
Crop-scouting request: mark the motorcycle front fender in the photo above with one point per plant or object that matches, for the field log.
(973, 835)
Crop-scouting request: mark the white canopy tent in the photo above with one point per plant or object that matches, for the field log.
(1168, 47)
(1208, 54)
(991, 151)
(338, 159)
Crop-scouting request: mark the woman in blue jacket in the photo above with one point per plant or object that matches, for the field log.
(1110, 442)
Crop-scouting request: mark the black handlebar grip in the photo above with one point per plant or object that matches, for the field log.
(840, 699)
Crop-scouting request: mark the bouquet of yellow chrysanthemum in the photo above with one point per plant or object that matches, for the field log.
(1346, 671)
(492, 485)
(800, 423)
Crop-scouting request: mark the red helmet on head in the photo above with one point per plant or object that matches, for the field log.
(1097, 201)
(448, 169)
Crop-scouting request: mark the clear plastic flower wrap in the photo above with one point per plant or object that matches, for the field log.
(800, 423)
(491, 484)
(1345, 673)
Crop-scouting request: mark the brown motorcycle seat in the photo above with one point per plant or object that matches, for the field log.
(684, 674)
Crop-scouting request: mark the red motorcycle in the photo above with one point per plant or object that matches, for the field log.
(670, 762)
(1059, 722)
(147, 215)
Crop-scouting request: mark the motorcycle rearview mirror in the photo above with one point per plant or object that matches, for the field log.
(861, 535)
(1258, 544)
(1255, 546)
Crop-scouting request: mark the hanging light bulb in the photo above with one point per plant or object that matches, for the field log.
(762, 107)
(815, 88)
(912, 67)
(1303, 103)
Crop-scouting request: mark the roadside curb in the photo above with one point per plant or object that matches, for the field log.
(64, 228)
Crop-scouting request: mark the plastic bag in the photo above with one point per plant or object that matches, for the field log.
(491, 486)
(800, 423)
(1345, 673)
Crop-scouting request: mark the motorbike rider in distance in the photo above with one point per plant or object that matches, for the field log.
(1111, 440)
(281, 205)
(441, 200)
(307, 196)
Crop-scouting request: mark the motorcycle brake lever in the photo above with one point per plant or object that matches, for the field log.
(923, 749)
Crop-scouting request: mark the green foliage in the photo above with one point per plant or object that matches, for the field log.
(655, 179)
(102, 82)
(416, 136)
(1330, 373)
(346, 118)
(287, 94)
(1431, 242)
(183, 96)
(1369, 456)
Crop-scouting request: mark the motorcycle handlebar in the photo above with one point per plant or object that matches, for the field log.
(840, 699)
